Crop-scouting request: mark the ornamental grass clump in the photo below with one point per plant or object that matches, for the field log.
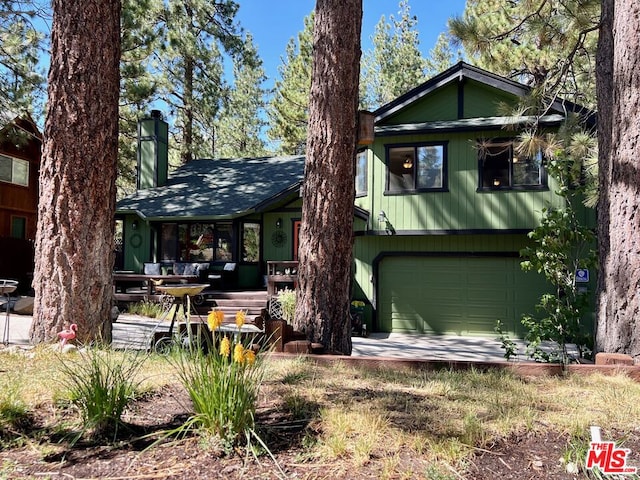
(101, 383)
(223, 383)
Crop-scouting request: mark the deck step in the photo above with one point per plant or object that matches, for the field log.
(230, 302)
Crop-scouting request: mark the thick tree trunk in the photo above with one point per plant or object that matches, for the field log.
(618, 83)
(322, 309)
(74, 242)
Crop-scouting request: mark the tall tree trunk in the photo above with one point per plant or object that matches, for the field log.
(75, 237)
(186, 154)
(322, 309)
(618, 88)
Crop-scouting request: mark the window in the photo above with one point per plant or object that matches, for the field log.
(501, 168)
(196, 242)
(417, 168)
(361, 174)
(250, 242)
(14, 170)
(18, 227)
(168, 241)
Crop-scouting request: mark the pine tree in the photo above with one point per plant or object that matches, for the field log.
(395, 65)
(21, 81)
(548, 44)
(141, 33)
(190, 62)
(239, 128)
(618, 329)
(289, 109)
(441, 56)
(322, 306)
(75, 236)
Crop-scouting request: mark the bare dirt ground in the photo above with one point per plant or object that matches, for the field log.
(45, 454)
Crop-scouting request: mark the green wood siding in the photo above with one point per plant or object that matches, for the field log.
(439, 105)
(273, 250)
(483, 101)
(137, 246)
(462, 207)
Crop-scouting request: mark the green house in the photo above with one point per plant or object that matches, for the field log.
(443, 206)
(451, 204)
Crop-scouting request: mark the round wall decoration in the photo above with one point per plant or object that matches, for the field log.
(278, 238)
(136, 240)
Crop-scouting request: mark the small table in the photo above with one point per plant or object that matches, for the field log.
(147, 279)
(181, 296)
(7, 287)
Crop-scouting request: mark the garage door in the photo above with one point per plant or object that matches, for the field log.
(460, 295)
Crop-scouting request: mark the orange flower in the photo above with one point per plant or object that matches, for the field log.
(240, 317)
(250, 356)
(225, 347)
(238, 353)
(214, 319)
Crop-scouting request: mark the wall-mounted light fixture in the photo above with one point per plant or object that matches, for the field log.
(408, 162)
(279, 223)
(134, 225)
(388, 228)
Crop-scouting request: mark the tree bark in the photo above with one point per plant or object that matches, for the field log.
(75, 237)
(322, 308)
(618, 88)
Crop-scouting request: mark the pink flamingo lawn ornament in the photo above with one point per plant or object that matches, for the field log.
(67, 334)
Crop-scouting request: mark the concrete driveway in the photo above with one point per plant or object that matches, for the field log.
(136, 332)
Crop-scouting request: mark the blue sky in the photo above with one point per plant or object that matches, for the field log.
(273, 23)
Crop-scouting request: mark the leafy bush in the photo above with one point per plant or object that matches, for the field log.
(287, 301)
(562, 245)
(101, 383)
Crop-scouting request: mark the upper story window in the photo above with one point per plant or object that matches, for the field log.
(417, 168)
(361, 174)
(500, 167)
(14, 170)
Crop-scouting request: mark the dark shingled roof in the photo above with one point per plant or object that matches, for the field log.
(218, 188)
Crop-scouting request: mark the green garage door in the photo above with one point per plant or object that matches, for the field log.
(459, 295)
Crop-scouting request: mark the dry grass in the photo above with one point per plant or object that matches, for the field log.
(443, 416)
(356, 417)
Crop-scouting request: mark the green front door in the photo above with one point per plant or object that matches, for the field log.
(454, 295)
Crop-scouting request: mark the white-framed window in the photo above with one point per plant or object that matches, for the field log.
(419, 167)
(500, 167)
(361, 173)
(14, 170)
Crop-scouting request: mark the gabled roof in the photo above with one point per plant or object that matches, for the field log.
(220, 188)
(467, 124)
(459, 72)
(23, 122)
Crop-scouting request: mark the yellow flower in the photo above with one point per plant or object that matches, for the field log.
(238, 353)
(250, 356)
(240, 316)
(225, 347)
(214, 319)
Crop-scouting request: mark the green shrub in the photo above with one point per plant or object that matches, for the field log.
(287, 301)
(101, 383)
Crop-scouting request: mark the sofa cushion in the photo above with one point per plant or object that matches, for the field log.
(190, 269)
(178, 268)
(152, 269)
